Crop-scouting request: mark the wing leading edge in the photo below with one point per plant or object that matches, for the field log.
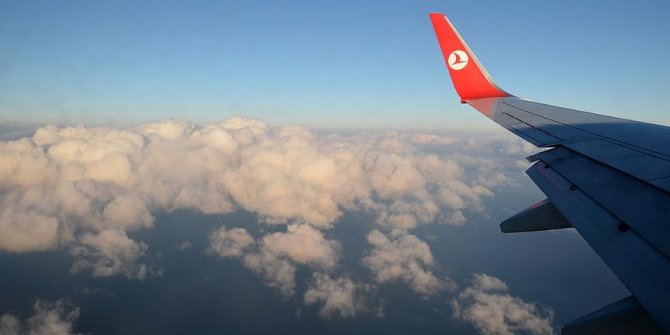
(609, 178)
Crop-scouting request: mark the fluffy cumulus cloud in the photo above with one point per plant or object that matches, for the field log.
(339, 296)
(488, 306)
(403, 257)
(229, 243)
(278, 272)
(277, 255)
(86, 188)
(302, 244)
(55, 318)
(110, 252)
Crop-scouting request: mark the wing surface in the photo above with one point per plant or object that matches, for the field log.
(607, 177)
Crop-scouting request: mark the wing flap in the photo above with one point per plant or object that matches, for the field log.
(643, 269)
(540, 216)
(641, 206)
(622, 317)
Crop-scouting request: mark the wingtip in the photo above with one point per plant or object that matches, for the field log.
(469, 77)
(437, 16)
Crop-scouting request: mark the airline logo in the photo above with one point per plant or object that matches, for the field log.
(457, 60)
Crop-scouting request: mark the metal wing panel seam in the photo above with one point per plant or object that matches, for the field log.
(634, 147)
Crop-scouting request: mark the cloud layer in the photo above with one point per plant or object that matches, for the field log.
(86, 189)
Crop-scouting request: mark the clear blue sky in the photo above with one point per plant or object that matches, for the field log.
(323, 63)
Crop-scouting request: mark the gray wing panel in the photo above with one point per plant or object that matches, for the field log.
(645, 166)
(641, 150)
(505, 116)
(652, 138)
(640, 265)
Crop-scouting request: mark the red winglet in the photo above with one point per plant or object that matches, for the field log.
(468, 76)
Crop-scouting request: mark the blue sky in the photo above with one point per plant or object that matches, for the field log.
(323, 63)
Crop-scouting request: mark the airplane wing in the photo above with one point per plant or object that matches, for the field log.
(607, 177)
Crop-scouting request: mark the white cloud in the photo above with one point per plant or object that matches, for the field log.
(404, 257)
(339, 296)
(302, 244)
(108, 253)
(184, 245)
(422, 138)
(488, 306)
(168, 130)
(27, 231)
(278, 272)
(275, 256)
(49, 319)
(229, 243)
(127, 211)
(70, 187)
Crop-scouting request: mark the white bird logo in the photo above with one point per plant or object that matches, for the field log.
(457, 60)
